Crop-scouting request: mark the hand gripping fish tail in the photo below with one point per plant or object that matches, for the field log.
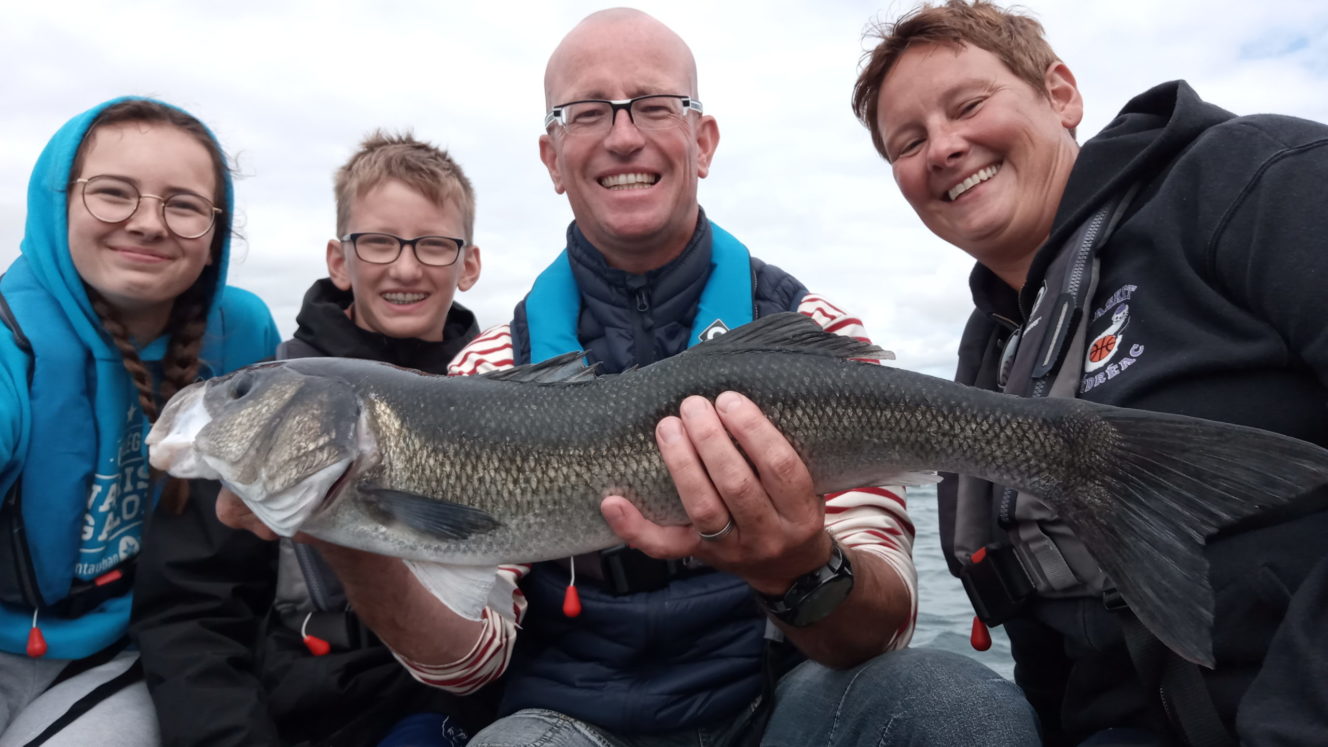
(462, 474)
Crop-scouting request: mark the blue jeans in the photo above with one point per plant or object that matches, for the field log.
(911, 697)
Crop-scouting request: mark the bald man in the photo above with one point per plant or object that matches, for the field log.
(775, 605)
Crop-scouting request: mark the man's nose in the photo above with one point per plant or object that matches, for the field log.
(624, 136)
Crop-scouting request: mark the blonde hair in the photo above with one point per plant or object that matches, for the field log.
(422, 166)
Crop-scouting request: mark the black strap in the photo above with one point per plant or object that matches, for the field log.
(759, 719)
(79, 666)
(11, 321)
(86, 703)
(1184, 694)
(627, 570)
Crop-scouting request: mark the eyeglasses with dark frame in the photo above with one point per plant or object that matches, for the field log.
(112, 199)
(654, 111)
(384, 248)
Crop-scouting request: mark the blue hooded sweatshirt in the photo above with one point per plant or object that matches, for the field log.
(71, 430)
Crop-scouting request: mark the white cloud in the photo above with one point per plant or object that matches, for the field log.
(290, 87)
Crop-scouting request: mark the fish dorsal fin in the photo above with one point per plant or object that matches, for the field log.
(431, 515)
(790, 331)
(559, 369)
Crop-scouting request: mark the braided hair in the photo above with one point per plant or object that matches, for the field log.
(188, 317)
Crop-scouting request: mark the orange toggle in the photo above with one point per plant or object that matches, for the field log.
(980, 637)
(317, 646)
(36, 643)
(572, 602)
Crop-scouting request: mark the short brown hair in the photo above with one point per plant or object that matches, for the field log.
(422, 166)
(1016, 39)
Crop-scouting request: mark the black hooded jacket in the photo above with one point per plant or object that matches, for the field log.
(1208, 303)
(222, 666)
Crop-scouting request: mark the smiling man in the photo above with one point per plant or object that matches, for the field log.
(774, 601)
(1169, 264)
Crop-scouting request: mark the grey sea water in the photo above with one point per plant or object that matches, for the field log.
(945, 617)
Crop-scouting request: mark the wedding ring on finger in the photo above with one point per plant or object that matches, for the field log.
(712, 536)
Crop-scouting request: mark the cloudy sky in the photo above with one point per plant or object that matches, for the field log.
(290, 88)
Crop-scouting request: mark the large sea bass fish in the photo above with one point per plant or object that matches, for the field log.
(511, 467)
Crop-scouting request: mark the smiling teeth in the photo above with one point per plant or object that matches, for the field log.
(973, 181)
(628, 181)
(404, 298)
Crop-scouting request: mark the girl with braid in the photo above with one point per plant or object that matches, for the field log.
(118, 301)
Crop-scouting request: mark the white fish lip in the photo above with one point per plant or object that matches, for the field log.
(981, 175)
(629, 181)
(171, 440)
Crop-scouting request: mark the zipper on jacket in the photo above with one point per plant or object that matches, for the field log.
(643, 335)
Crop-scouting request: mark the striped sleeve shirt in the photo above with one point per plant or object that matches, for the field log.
(873, 520)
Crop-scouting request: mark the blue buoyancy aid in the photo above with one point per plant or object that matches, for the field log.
(72, 434)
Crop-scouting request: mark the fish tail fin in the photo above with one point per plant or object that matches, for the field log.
(1170, 483)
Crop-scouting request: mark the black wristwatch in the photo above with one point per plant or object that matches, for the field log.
(814, 595)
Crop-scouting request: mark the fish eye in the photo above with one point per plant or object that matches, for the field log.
(241, 385)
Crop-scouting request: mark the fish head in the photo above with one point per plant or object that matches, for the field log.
(280, 439)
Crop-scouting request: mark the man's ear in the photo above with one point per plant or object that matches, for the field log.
(1064, 95)
(707, 139)
(470, 268)
(336, 265)
(549, 155)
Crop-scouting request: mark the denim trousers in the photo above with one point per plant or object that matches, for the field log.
(916, 696)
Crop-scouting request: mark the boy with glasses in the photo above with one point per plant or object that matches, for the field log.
(405, 218)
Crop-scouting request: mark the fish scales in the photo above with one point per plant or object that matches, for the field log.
(540, 458)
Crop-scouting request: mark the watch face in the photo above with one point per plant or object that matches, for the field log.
(822, 601)
(816, 594)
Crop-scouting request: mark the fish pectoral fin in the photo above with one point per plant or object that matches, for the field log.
(464, 589)
(433, 516)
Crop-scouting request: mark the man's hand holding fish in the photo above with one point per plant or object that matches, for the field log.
(733, 467)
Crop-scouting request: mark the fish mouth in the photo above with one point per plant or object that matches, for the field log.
(339, 485)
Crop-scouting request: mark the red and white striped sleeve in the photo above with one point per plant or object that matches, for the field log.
(488, 658)
(870, 519)
(490, 351)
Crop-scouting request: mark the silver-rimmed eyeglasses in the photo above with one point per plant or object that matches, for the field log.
(384, 248)
(112, 199)
(655, 111)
